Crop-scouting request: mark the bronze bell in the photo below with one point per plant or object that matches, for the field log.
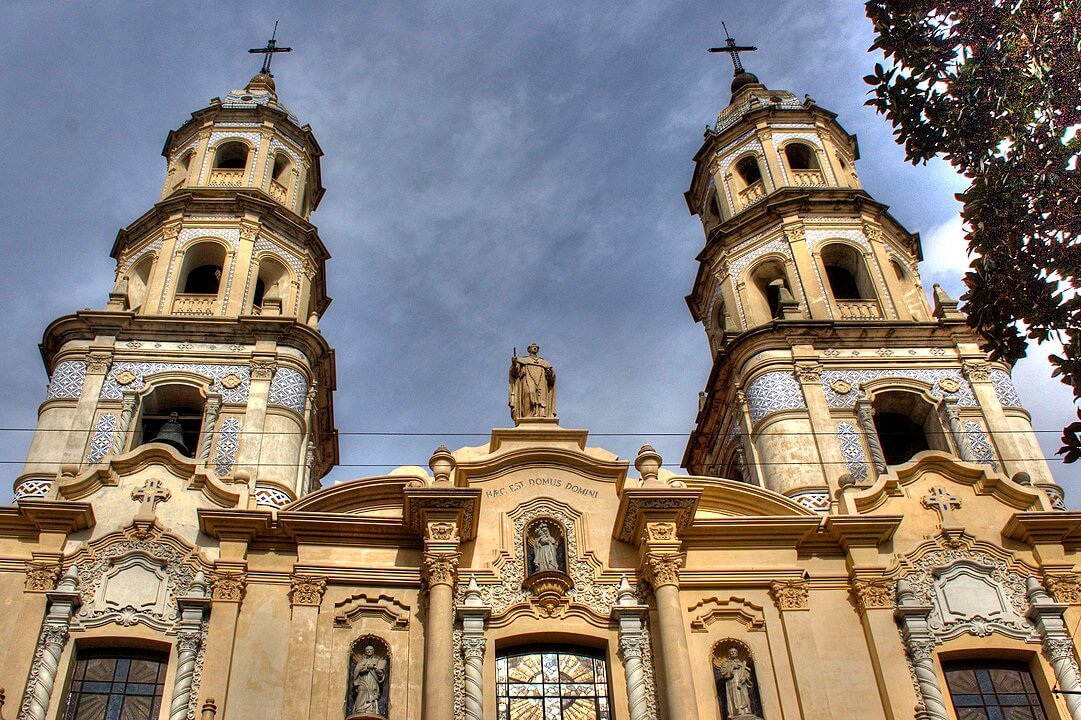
(171, 433)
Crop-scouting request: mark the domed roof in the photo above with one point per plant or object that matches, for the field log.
(260, 91)
(753, 98)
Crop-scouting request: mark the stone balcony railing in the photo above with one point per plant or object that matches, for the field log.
(808, 178)
(227, 177)
(752, 194)
(278, 191)
(859, 310)
(194, 304)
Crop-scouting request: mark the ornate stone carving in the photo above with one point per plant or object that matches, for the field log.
(872, 593)
(369, 678)
(736, 680)
(441, 568)
(228, 587)
(809, 372)
(229, 381)
(442, 531)
(663, 569)
(41, 575)
(663, 531)
(949, 385)
(125, 377)
(789, 594)
(304, 590)
(841, 387)
(262, 369)
(1064, 587)
(98, 363)
(941, 500)
(976, 370)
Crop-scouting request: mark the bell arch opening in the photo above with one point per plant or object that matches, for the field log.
(232, 155)
(271, 287)
(907, 424)
(746, 182)
(767, 280)
(138, 280)
(200, 279)
(171, 414)
(281, 176)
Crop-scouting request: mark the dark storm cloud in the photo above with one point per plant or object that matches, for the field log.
(497, 173)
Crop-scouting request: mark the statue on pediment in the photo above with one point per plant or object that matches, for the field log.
(532, 386)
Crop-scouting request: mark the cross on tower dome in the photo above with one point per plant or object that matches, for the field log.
(268, 52)
(741, 76)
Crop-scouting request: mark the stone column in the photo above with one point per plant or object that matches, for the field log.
(957, 430)
(1048, 617)
(123, 425)
(440, 573)
(189, 640)
(474, 616)
(661, 563)
(866, 414)
(54, 635)
(920, 644)
(206, 433)
(629, 614)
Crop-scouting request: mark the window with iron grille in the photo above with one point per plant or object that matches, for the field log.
(993, 690)
(116, 684)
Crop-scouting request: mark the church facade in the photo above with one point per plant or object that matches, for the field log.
(863, 532)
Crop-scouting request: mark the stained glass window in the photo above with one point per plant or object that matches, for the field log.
(552, 684)
(116, 685)
(993, 691)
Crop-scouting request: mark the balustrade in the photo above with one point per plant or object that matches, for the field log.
(193, 304)
(752, 193)
(808, 178)
(859, 310)
(278, 191)
(227, 177)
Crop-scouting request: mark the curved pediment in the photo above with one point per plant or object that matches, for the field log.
(729, 498)
(379, 496)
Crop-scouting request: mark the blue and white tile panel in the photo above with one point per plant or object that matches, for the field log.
(288, 389)
(112, 390)
(815, 500)
(980, 444)
(33, 488)
(226, 447)
(855, 378)
(67, 380)
(852, 450)
(271, 497)
(1004, 389)
(773, 392)
(102, 440)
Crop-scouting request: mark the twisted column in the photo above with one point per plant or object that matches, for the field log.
(631, 650)
(920, 646)
(473, 652)
(63, 602)
(187, 647)
(866, 415)
(957, 430)
(1048, 617)
(127, 408)
(210, 418)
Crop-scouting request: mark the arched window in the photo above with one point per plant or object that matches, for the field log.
(115, 683)
(173, 415)
(138, 279)
(850, 283)
(768, 286)
(747, 181)
(280, 177)
(200, 279)
(182, 168)
(551, 684)
(800, 156)
(271, 284)
(906, 424)
(231, 156)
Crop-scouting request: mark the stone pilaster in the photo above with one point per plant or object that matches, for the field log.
(194, 607)
(305, 597)
(914, 620)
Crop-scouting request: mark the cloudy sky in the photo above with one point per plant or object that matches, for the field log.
(497, 173)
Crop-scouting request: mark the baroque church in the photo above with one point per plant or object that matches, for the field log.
(864, 530)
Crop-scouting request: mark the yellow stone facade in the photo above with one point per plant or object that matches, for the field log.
(807, 568)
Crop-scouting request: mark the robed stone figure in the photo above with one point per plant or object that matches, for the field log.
(369, 677)
(532, 386)
(739, 690)
(545, 549)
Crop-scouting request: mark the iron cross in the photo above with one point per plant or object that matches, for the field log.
(733, 50)
(268, 51)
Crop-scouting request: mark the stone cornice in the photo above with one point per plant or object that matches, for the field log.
(636, 504)
(747, 532)
(1041, 528)
(298, 528)
(56, 516)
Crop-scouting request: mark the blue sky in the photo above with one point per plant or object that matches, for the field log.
(497, 173)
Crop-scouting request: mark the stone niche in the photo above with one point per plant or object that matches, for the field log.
(367, 695)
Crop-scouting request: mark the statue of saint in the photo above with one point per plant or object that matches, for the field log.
(369, 674)
(738, 686)
(532, 386)
(545, 549)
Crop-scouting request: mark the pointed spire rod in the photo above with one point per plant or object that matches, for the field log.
(733, 50)
(268, 51)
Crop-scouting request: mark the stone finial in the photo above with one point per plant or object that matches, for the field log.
(648, 463)
(442, 464)
(472, 593)
(70, 581)
(313, 321)
(210, 710)
(905, 594)
(1022, 478)
(945, 306)
(625, 595)
(1037, 595)
(198, 587)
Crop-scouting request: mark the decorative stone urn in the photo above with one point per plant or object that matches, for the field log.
(549, 587)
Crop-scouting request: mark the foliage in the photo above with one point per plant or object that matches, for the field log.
(992, 86)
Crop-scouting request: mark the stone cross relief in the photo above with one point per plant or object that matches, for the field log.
(149, 495)
(943, 501)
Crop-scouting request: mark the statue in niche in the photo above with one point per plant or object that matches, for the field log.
(532, 386)
(545, 548)
(368, 681)
(737, 685)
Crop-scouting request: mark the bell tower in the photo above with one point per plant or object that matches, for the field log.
(830, 365)
(209, 344)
